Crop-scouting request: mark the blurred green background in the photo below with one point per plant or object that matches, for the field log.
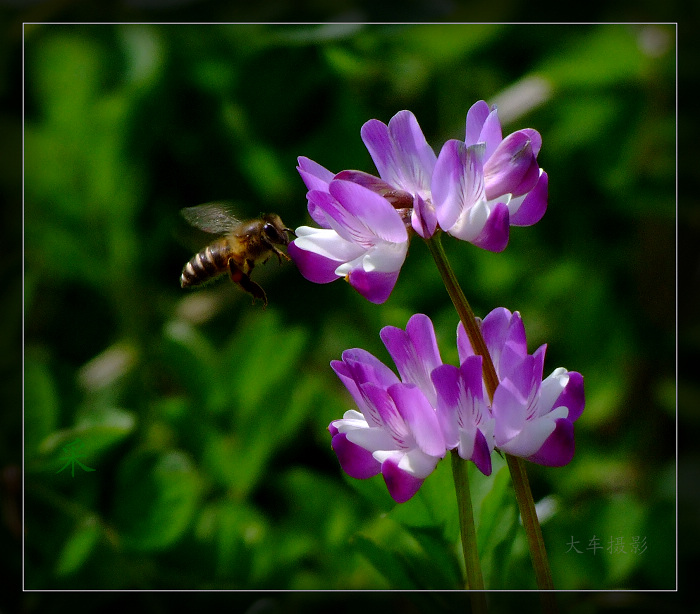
(204, 418)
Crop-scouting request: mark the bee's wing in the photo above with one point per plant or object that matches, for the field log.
(216, 218)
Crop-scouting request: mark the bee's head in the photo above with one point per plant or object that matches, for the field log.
(275, 231)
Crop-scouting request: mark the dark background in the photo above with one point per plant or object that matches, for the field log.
(204, 418)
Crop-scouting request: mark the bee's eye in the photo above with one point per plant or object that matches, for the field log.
(273, 234)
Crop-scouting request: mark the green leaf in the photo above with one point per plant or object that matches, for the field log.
(439, 45)
(490, 526)
(386, 562)
(67, 74)
(78, 547)
(262, 355)
(497, 522)
(419, 558)
(233, 529)
(156, 499)
(94, 434)
(302, 489)
(193, 358)
(441, 557)
(433, 505)
(40, 403)
(623, 519)
(605, 56)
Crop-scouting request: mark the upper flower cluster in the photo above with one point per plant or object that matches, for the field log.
(404, 425)
(474, 190)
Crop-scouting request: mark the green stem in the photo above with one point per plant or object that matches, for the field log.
(523, 494)
(466, 315)
(475, 580)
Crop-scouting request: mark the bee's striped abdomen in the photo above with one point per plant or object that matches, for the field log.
(210, 262)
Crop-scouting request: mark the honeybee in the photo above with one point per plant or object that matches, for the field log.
(243, 245)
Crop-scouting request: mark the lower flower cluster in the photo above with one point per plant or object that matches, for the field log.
(405, 424)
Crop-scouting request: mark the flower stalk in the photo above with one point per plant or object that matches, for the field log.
(466, 315)
(535, 542)
(516, 465)
(475, 580)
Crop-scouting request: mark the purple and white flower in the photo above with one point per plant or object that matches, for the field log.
(396, 430)
(463, 413)
(474, 190)
(405, 424)
(486, 184)
(362, 239)
(415, 352)
(403, 427)
(405, 162)
(533, 418)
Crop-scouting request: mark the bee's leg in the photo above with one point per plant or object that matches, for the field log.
(280, 254)
(247, 283)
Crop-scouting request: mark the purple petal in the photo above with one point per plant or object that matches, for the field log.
(336, 216)
(483, 126)
(538, 365)
(314, 267)
(420, 418)
(416, 156)
(476, 117)
(359, 367)
(533, 205)
(572, 397)
(315, 176)
(535, 139)
(513, 168)
(464, 346)
(375, 286)
(317, 214)
(524, 377)
(342, 370)
(501, 327)
(396, 197)
(423, 217)
(375, 135)
(494, 236)
(509, 412)
(458, 182)
(446, 381)
(401, 485)
(498, 328)
(368, 215)
(400, 152)
(414, 351)
(481, 456)
(391, 418)
(364, 367)
(558, 449)
(355, 461)
(471, 371)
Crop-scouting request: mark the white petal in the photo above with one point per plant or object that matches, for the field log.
(327, 243)
(530, 438)
(383, 258)
(418, 463)
(550, 390)
(372, 439)
(471, 222)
